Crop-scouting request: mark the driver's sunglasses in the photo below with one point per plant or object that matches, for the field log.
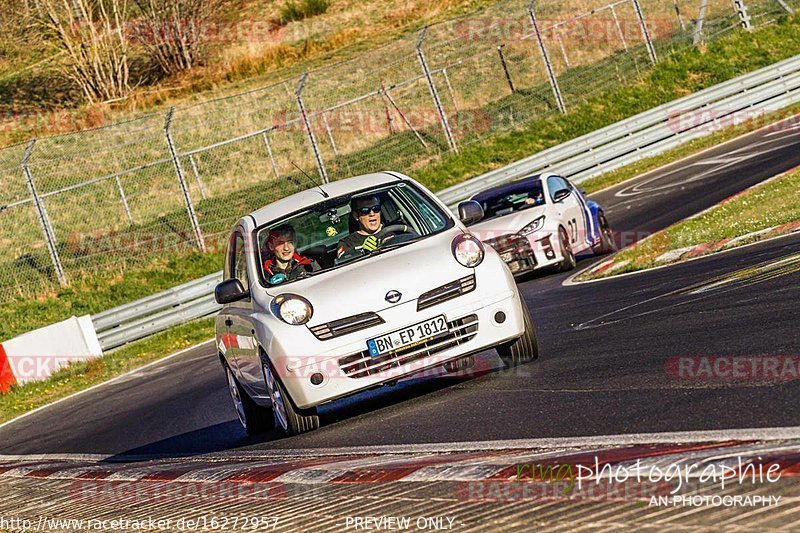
(364, 211)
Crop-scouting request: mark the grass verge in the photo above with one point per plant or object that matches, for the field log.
(767, 210)
(80, 376)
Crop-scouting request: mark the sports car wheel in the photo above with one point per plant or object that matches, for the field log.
(606, 244)
(254, 418)
(291, 419)
(569, 262)
(523, 349)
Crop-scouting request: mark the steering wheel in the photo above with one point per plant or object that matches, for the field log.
(395, 229)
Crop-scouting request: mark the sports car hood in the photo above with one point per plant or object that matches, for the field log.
(361, 286)
(511, 223)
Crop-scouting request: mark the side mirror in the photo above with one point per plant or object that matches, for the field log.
(470, 212)
(229, 291)
(561, 195)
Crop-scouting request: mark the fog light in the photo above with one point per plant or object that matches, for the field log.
(499, 317)
(317, 378)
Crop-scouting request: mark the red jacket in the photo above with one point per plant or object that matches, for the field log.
(296, 261)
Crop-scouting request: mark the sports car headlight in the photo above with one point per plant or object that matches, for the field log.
(536, 225)
(292, 309)
(468, 250)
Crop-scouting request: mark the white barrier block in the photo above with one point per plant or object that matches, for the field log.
(36, 355)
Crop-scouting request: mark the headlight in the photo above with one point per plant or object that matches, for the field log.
(536, 225)
(468, 250)
(292, 309)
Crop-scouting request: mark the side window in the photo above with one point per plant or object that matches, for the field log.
(240, 261)
(555, 184)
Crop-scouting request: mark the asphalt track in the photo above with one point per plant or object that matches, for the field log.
(605, 351)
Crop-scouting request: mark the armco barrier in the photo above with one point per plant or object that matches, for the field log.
(644, 135)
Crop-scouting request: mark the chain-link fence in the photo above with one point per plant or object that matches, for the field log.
(103, 199)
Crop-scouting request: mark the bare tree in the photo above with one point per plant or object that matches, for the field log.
(174, 32)
(92, 34)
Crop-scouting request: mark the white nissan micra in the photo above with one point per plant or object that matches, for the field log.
(308, 318)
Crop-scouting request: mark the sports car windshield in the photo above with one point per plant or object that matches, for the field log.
(508, 199)
(331, 233)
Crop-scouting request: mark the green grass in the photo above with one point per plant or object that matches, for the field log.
(775, 203)
(79, 376)
(302, 9)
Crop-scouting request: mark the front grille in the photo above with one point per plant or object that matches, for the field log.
(343, 326)
(446, 292)
(511, 243)
(361, 364)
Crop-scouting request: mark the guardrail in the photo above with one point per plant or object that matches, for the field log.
(649, 133)
(644, 135)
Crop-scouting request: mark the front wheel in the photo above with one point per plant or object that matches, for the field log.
(292, 420)
(523, 349)
(568, 262)
(254, 418)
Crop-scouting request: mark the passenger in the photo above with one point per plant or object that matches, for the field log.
(535, 198)
(284, 263)
(366, 210)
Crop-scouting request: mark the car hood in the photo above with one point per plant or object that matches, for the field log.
(362, 286)
(511, 223)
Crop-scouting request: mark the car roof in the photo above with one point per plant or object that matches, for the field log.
(511, 186)
(311, 196)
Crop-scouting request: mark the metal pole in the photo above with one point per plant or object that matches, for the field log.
(389, 118)
(678, 14)
(698, 31)
(645, 32)
(744, 17)
(549, 66)
(317, 155)
(330, 134)
(271, 157)
(787, 7)
(197, 177)
(44, 220)
(201, 243)
(450, 89)
(619, 27)
(124, 199)
(563, 50)
(505, 68)
(434, 93)
(405, 118)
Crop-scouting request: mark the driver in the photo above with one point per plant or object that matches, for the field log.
(284, 263)
(535, 197)
(366, 210)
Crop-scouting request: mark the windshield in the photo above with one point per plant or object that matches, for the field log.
(510, 198)
(346, 229)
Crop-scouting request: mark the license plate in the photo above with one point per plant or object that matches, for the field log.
(408, 336)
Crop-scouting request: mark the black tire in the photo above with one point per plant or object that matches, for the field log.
(254, 418)
(523, 349)
(606, 244)
(290, 418)
(569, 262)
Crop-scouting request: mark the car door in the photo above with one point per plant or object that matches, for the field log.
(569, 209)
(240, 316)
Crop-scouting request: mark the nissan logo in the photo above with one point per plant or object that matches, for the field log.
(393, 297)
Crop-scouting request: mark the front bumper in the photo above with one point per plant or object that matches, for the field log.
(349, 368)
(525, 254)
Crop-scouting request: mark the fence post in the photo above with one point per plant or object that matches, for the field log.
(124, 199)
(41, 212)
(651, 50)
(789, 9)
(701, 18)
(744, 17)
(201, 243)
(505, 68)
(548, 65)
(434, 93)
(314, 146)
(271, 156)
